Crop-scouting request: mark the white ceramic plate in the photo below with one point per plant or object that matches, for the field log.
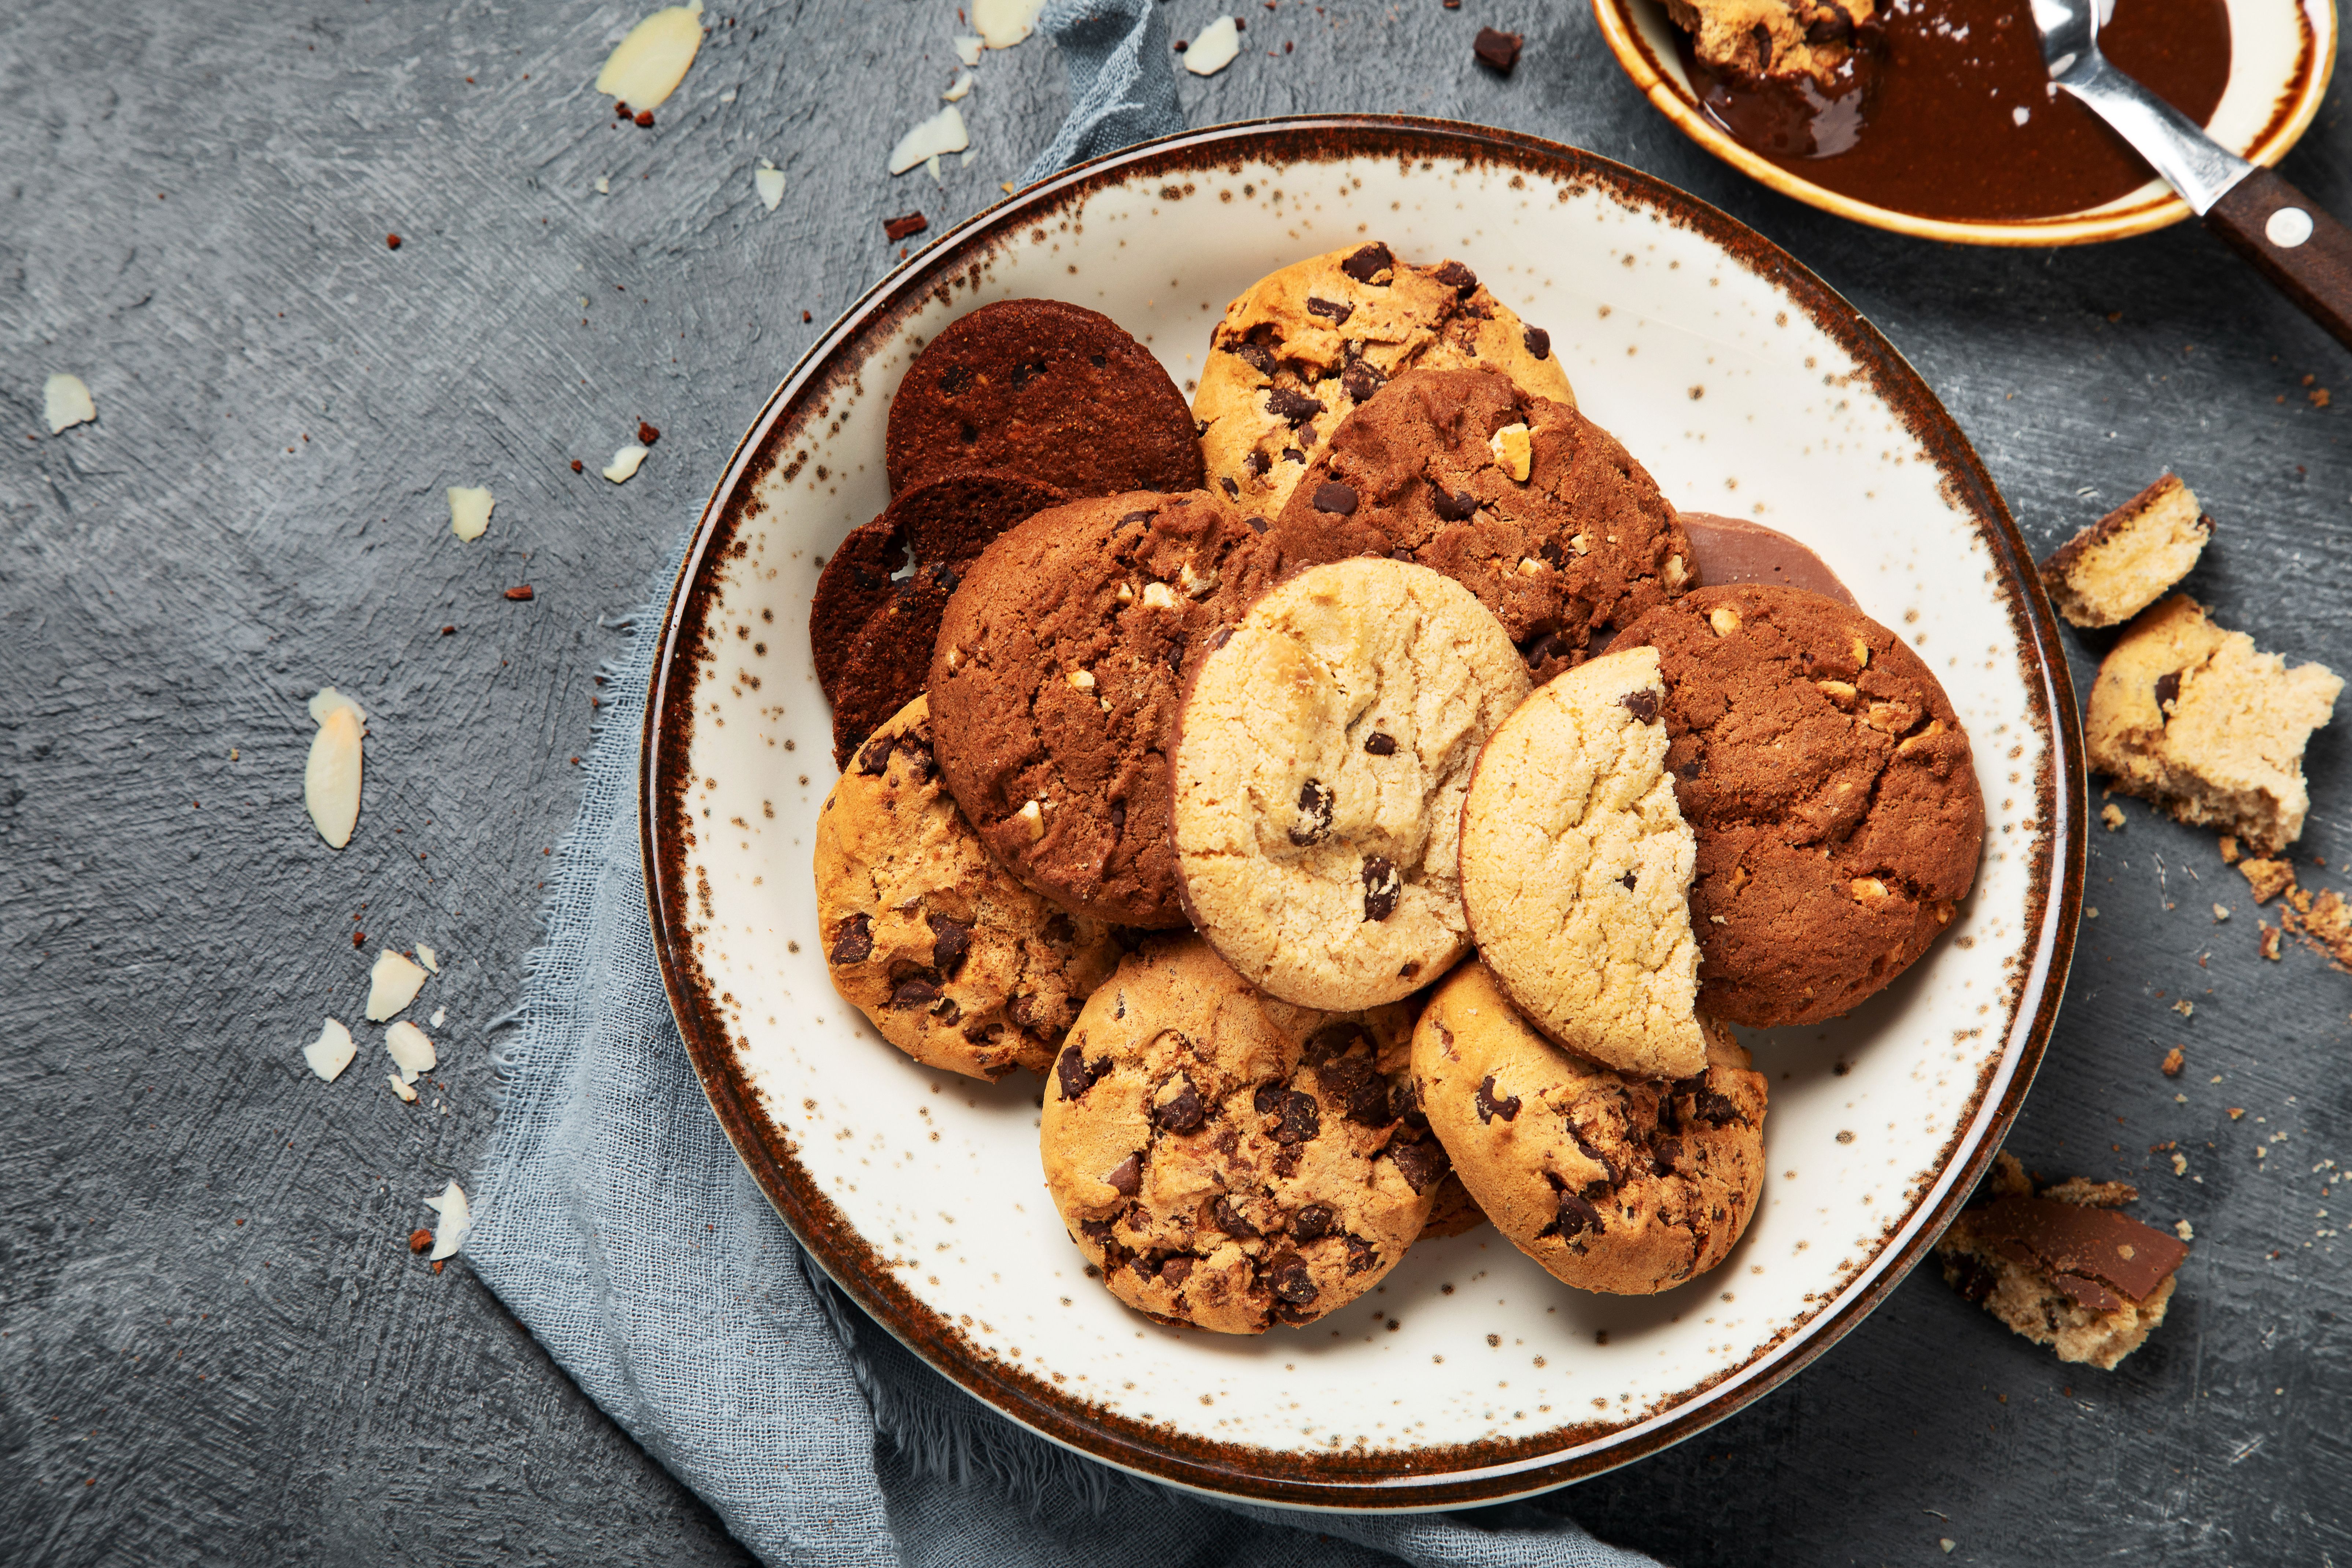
(1744, 384)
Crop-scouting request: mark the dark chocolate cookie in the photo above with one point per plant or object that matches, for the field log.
(1044, 389)
(1058, 667)
(1524, 502)
(1831, 791)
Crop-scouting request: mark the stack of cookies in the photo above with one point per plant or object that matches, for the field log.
(1356, 809)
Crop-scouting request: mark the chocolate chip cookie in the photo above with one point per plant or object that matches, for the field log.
(1057, 672)
(1521, 499)
(1620, 1184)
(1831, 790)
(1303, 347)
(1319, 763)
(1050, 391)
(1576, 869)
(957, 964)
(1228, 1160)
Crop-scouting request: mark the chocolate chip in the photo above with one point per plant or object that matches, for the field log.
(1257, 357)
(1257, 525)
(1312, 1223)
(917, 990)
(1337, 309)
(874, 757)
(1453, 275)
(1380, 743)
(1181, 1112)
(1539, 343)
(1334, 496)
(947, 1012)
(1665, 1154)
(1126, 1178)
(1971, 1279)
(1333, 1044)
(1258, 463)
(1230, 1218)
(2167, 690)
(1096, 1230)
(1404, 1102)
(1361, 1254)
(1133, 518)
(1460, 505)
(1268, 1100)
(1763, 36)
(1422, 1164)
(1292, 455)
(1220, 637)
(1592, 1152)
(1575, 1217)
(1627, 879)
(1709, 1106)
(1829, 26)
(968, 434)
(1642, 704)
(1551, 646)
(853, 940)
(1368, 262)
(1300, 1120)
(1490, 1108)
(1117, 827)
(1233, 490)
(1077, 1075)
(1286, 1274)
(1360, 381)
(1368, 1102)
(1382, 887)
(1317, 803)
(1291, 405)
(950, 941)
(1176, 1270)
(1690, 770)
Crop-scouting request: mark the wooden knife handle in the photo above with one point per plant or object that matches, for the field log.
(2302, 250)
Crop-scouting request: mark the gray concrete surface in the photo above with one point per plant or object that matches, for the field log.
(214, 1345)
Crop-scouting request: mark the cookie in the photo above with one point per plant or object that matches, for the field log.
(958, 965)
(1228, 1160)
(1620, 1184)
(2130, 557)
(1057, 672)
(1831, 790)
(1451, 1211)
(1303, 347)
(1785, 40)
(1318, 765)
(889, 659)
(1576, 869)
(2192, 717)
(1521, 499)
(1729, 550)
(1053, 392)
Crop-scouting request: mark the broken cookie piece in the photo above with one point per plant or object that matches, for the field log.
(2062, 1269)
(1783, 39)
(2193, 719)
(2130, 557)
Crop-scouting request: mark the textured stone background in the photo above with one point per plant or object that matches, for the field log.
(216, 1349)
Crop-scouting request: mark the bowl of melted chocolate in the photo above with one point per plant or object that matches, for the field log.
(1935, 117)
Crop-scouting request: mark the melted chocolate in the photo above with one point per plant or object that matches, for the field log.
(1931, 122)
(1729, 550)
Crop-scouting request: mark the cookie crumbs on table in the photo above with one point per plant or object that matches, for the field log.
(2130, 557)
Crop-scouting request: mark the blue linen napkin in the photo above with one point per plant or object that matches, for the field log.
(612, 1215)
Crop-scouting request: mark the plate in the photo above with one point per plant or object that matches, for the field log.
(2282, 53)
(1468, 1375)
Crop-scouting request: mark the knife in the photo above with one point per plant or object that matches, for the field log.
(2306, 254)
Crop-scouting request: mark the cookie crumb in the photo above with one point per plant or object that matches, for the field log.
(2121, 564)
(2173, 1061)
(2113, 815)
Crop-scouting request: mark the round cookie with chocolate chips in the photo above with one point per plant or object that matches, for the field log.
(1576, 868)
(1529, 505)
(1228, 1160)
(1304, 347)
(1832, 792)
(958, 965)
(1056, 674)
(1051, 391)
(1318, 765)
(1621, 1185)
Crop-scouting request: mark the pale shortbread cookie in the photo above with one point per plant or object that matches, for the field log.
(2192, 718)
(1612, 1182)
(955, 962)
(2130, 557)
(1319, 762)
(1576, 868)
(1302, 347)
(1230, 1160)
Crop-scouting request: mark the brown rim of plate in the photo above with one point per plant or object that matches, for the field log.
(2291, 115)
(1447, 1477)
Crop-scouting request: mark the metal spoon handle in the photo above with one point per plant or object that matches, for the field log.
(2305, 254)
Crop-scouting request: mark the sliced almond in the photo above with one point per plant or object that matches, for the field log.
(469, 511)
(425, 956)
(456, 1219)
(959, 90)
(1001, 24)
(331, 1052)
(411, 1049)
(625, 463)
(331, 778)
(1935, 727)
(646, 65)
(440, 1016)
(1839, 691)
(968, 50)
(392, 984)
(769, 181)
(1213, 47)
(1868, 887)
(400, 1088)
(1724, 619)
(1675, 572)
(1514, 451)
(1861, 654)
(65, 401)
(943, 132)
(1158, 597)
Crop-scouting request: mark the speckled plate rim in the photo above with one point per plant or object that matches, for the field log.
(2299, 104)
(1391, 1482)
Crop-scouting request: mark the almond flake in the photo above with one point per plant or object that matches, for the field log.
(469, 511)
(331, 778)
(959, 90)
(646, 68)
(440, 1016)
(392, 984)
(65, 402)
(943, 132)
(410, 1048)
(769, 181)
(400, 1088)
(1514, 450)
(428, 958)
(625, 463)
(1001, 24)
(331, 1052)
(1212, 49)
(456, 1219)
(968, 50)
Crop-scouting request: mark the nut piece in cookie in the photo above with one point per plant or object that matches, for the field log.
(1833, 793)
(1782, 39)
(1228, 1160)
(2130, 557)
(957, 964)
(1054, 392)
(1621, 1184)
(2194, 719)
(1304, 347)
(1576, 869)
(1532, 507)
(1056, 676)
(2062, 1269)
(1319, 762)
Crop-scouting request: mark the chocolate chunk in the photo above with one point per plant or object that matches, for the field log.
(1829, 26)
(1126, 1178)
(2083, 1247)
(1176, 1270)
(1077, 1074)
(1368, 1102)
(1258, 463)
(1300, 1120)
(1096, 1230)
(1540, 650)
(1575, 1217)
(853, 940)
(1422, 1164)
(906, 225)
(1763, 36)
(1291, 405)
(1404, 1104)
(2168, 691)
(1453, 274)
(1339, 310)
(1287, 1275)
(1490, 1108)
(1459, 506)
(1708, 1106)
(1117, 828)
(1642, 704)
(1380, 743)
(1233, 490)
(1318, 802)
(948, 1011)
(950, 941)
(1539, 343)
(1592, 1152)
(1230, 1218)
(1361, 1254)
(1257, 357)
(1665, 1154)
(873, 759)
(1181, 1111)
(1334, 496)
(1360, 381)
(1972, 1279)
(1627, 879)
(1312, 1223)
(1382, 887)
(919, 989)
(1368, 262)
(1268, 1100)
